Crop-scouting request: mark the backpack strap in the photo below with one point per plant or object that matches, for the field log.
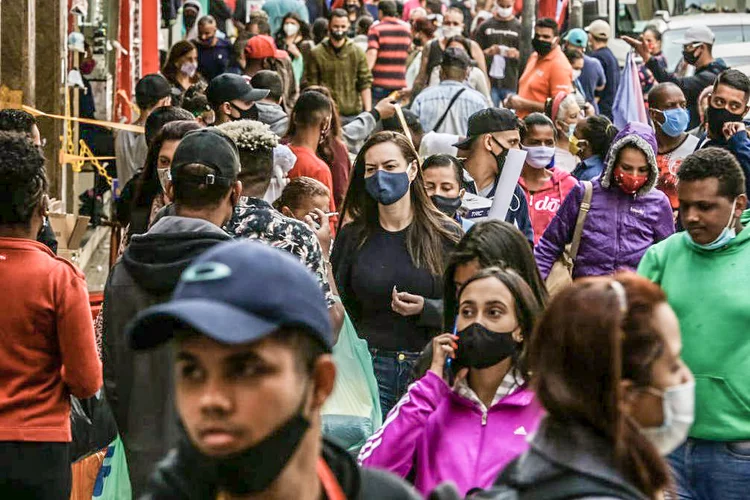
(447, 110)
(583, 211)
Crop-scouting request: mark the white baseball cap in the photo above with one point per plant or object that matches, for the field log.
(700, 33)
(600, 29)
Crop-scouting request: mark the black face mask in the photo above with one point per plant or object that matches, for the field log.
(542, 47)
(352, 8)
(479, 347)
(690, 57)
(338, 35)
(418, 42)
(499, 158)
(717, 118)
(245, 114)
(253, 470)
(448, 206)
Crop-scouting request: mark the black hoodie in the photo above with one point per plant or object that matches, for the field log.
(172, 480)
(138, 386)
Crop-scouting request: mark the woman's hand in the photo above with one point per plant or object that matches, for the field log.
(322, 229)
(406, 304)
(443, 346)
(293, 50)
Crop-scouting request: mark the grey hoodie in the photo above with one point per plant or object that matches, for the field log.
(274, 116)
(138, 386)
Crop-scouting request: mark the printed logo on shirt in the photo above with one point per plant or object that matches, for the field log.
(547, 204)
(493, 31)
(638, 211)
(521, 431)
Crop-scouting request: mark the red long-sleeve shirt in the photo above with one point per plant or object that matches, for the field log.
(47, 345)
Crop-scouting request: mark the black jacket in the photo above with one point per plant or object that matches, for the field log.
(691, 86)
(138, 386)
(173, 481)
(565, 460)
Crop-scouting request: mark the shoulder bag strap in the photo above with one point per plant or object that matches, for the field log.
(583, 211)
(447, 110)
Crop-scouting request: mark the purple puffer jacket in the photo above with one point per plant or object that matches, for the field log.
(619, 227)
(446, 437)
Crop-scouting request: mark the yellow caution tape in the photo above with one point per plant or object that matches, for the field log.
(111, 125)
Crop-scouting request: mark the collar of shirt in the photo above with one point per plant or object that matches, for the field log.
(249, 202)
(511, 382)
(452, 83)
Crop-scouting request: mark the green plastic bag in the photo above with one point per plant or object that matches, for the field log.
(352, 413)
(113, 481)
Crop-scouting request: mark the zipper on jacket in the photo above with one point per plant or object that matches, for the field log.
(484, 418)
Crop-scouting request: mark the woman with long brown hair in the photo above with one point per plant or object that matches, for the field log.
(390, 257)
(605, 359)
(181, 66)
(333, 149)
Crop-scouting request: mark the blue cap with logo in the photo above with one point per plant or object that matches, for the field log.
(577, 37)
(238, 292)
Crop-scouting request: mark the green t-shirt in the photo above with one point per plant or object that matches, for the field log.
(708, 291)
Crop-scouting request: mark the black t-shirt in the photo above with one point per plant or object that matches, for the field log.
(366, 282)
(496, 32)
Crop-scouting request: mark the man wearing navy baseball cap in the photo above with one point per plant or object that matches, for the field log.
(253, 369)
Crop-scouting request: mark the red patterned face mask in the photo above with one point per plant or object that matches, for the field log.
(629, 183)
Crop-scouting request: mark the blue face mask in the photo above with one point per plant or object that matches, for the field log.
(675, 121)
(727, 235)
(387, 187)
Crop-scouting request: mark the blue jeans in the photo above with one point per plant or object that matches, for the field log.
(393, 370)
(498, 95)
(379, 93)
(712, 470)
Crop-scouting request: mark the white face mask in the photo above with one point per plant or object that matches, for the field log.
(189, 69)
(678, 405)
(451, 31)
(291, 29)
(576, 74)
(504, 12)
(539, 156)
(164, 176)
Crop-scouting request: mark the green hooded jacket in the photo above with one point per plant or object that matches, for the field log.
(708, 291)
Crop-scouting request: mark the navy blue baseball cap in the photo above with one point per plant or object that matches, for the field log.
(238, 292)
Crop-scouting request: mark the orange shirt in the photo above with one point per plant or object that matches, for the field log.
(47, 345)
(545, 77)
(309, 165)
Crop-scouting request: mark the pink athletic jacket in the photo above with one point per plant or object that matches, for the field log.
(447, 437)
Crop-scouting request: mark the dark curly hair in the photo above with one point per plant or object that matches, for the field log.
(23, 179)
(16, 120)
(714, 163)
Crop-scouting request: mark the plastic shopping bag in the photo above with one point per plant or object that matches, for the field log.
(113, 481)
(352, 413)
(92, 425)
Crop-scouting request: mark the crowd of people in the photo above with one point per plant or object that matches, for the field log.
(589, 343)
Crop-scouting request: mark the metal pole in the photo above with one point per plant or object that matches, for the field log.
(527, 29)
(576, 14)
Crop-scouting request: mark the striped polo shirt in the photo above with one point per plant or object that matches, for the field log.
(391, 38)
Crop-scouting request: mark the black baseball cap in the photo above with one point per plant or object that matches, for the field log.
(238, 292)
(154, 86)
(228, 87)
(456, 58)
(487, 121)
(209, 147)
